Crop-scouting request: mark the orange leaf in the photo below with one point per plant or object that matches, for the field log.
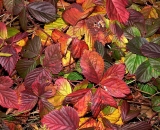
(75, 13)
(92, 66)
(63, 39)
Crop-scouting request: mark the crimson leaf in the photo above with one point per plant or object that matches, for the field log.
(39, 74)
(52, 58)
(101, 97)
(63, 119)
(9, 63)
(42, 11)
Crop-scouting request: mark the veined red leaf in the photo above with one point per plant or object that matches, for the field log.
(9, 63)
(115, 28)
(100, 98)
(77, 47)
(6, 81)
(63, 119)
(75, 13)
(40, 74)
(28, 100)
(115, 71)
(116, 10)
(92, 66)
(80, 99)
(52, 58)
(115, 87)
(8, 97)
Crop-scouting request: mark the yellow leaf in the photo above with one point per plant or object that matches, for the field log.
(22, 42)
(58, 24)
(5, 54)
(80, 30)
(67, 59)
(63, 89)
(44, 38)
(115, 117)
(149, 12)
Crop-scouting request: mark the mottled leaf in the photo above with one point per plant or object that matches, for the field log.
(92, 66)
(156, 103)
(116, 29)
(9, 63)
(32, 48)
(3, 31)
(63, 119)
(42, 11)
(135, 44)
(8, 4)
(145, 72)
(24, 66)
(133, 61)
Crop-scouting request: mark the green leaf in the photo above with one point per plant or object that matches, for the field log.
(133, 61)
(5, 54)
(25, 66)
(131, 32)
(145, 72)
(155, 63)
(135, 44)
(12, 31)
(32, 48)
(108, 110)
(153, 27)
(156, 103)
(75, 76)
(148, 89)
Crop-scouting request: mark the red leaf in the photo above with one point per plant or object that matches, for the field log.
(63, 119)
(75, 13)
(92, 66)
(39, 74)
(52, 58)
(115, 71)
(115, 87)
(8, 97)
(115, 28)
(17, 37)
(101, 97)
(77, 47)
(80, 99)
(116, 10)
(28, 100)
(6, 81)
(9, 63)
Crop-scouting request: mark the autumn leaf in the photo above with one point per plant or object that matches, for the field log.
(8, 96)
(52, 60)
(92, 66)
(65, 118)
(80, 99)
(117, 7)
(101, 98)
(9, 63)
(63, 89)
(115, 87)
(3, 31)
